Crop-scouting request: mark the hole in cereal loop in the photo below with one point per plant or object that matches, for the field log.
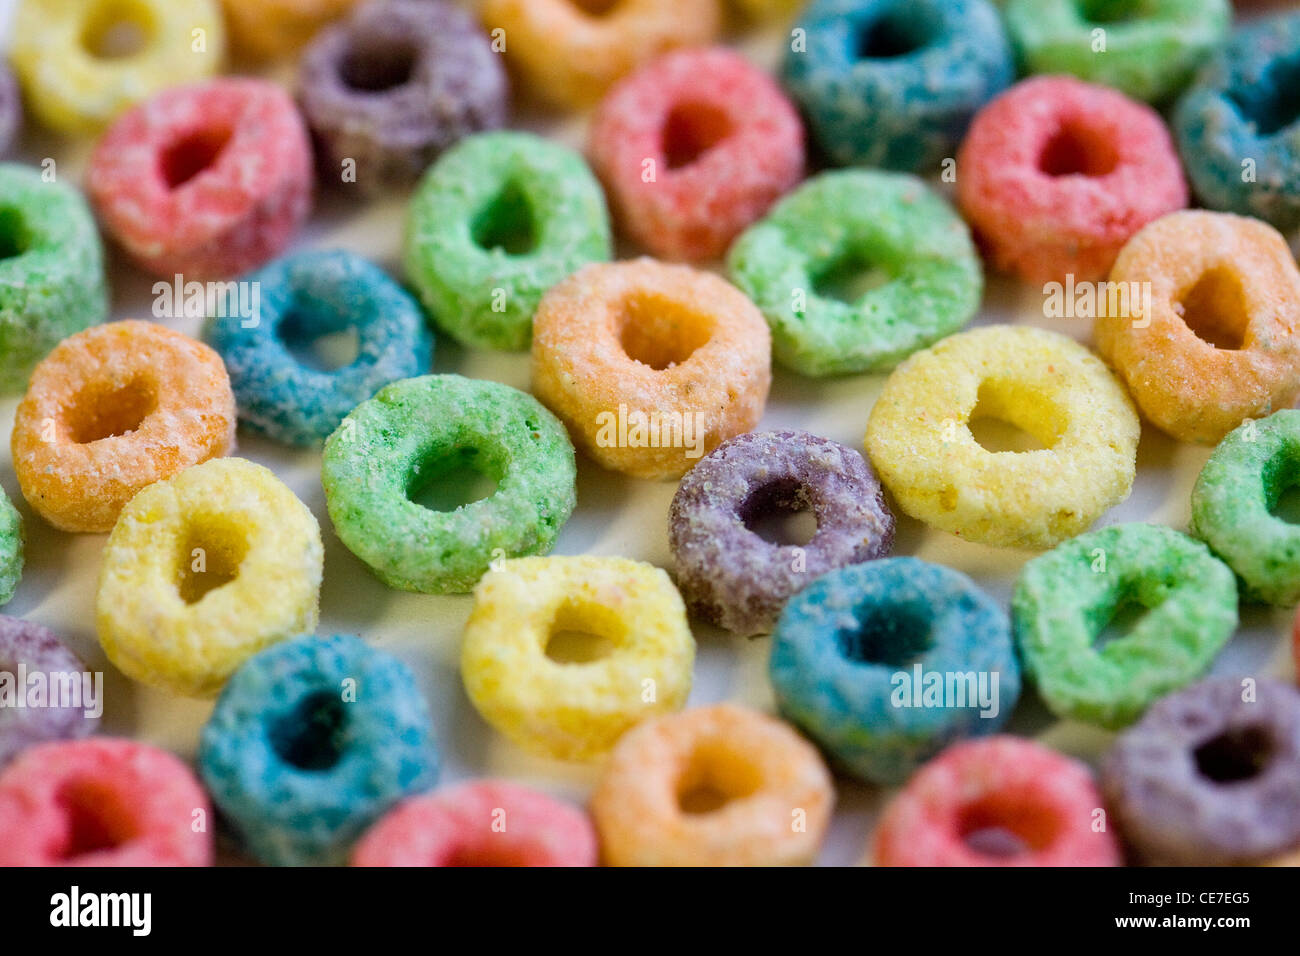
(691, 130)
(659, 332)
(210, 555)
(102, 410)
(312, 735)
(780, 514)
(116, 29)
(191, 155)
(506, 222)
(1235, 755)
(446, 482)
(1215, 309)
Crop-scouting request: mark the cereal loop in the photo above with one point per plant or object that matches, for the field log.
(1221, 343)
(482, 823)
(651, 366)
(920, 442)
(1004, 801)
(567, 698)
(568, 52)
(714, 786)
(208, 180)
(202, 571)
(82, 62)
(694, 147)
(111, 410)
(103, 802)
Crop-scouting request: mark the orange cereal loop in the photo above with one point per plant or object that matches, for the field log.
(270, 29)
(569, 52)
(111, 410)
(713, 786)
(1220, 344)
(651, 366)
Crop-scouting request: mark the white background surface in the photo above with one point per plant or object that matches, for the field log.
(615, 516)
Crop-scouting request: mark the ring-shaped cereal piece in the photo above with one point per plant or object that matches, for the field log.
(102, 802)
(731, 576)
(575, 708)
(481, 823)
(416, 430)
(1056, 175)
(496, 222)
(275, 29)
(28, 649)
(1238, 128)
(1004, 801)
(1211, 775)
(1066, 597)
(204, 570)
(1148, 50)
(51, 270)
(311, 742)
(1222, 341)
(721, 138)
(894, 83)
(920, 442)
(394, 85)
(207, 181)
(650, 365)
(302, 297)
(853, 656)
(713, 786)
(569, 52)
(1233, 501)
(111, 410)
(11, 109)
(76, 87)
(839, 226)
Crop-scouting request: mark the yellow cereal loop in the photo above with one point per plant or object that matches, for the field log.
(82, 62)
(519, 663)
(204, 570)
(1046, 384)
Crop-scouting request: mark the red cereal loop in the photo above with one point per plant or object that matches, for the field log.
(1000, 801)
(208, 181)
(483, 823)
(1055, 175)
(693, 148)
(102, 802)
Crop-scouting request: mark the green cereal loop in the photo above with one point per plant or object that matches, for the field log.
(1232, 504)
(1153, 47)
(11, 548)
(844, 223)
(1065, 598)
(498, 220)
(51, 270)
(376, 456)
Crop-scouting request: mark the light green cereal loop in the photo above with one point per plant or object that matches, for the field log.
(1066, 597)
(416, 428)
(1232, 504)
(1148, 49)
(854, 223)
(497, 221)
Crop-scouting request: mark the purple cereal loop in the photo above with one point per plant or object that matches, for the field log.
(732, 577)
(27, 649)
(1210, 775)
(397, 83)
